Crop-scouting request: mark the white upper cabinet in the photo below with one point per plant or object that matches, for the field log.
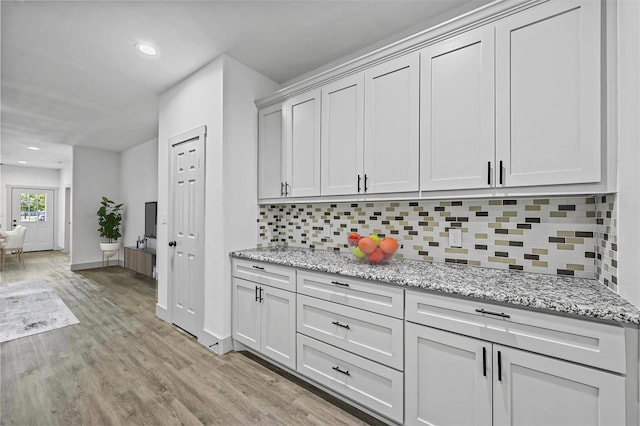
(271, 152)
(343, 136)
(548, 110)
(391, 123)
(303, 144)
(457, 112)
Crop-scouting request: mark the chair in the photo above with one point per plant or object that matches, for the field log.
(13, 242)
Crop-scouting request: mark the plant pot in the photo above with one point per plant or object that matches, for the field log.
(109, 249)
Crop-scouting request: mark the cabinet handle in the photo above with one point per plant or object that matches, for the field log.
(258, 267)
(499, 366)
(256, 293)
(345, 372)
(341, 325)
(489, 173)
(359, 178)
(500, 172)
(281, 189)
(286, 189)
(261, 298)
(365, 182)
(498, 314)
(172, 243)
(339, 283)
(484, 361)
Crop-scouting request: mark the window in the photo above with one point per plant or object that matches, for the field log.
(33, 207)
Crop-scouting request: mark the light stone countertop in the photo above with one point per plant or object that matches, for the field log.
(567, 295)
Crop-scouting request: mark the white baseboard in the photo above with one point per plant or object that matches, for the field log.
(93, 265)
(220, 345)
(162, 313)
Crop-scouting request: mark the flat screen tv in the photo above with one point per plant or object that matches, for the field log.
(150, 219)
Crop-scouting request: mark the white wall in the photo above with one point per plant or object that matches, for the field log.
(629, 149)
(29, 177)
(64, 182)
(221, 96)
(96, 173)
(138, 184)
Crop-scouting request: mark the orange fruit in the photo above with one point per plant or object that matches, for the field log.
(389, 245)
(367, 245)
(353, 238)
(376, 257)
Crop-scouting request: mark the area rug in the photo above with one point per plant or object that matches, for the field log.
(31, 307)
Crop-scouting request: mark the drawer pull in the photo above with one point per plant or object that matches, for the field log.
(498, 314)
(341, 325)
(339, 283)
(346, 373)
(258, 267)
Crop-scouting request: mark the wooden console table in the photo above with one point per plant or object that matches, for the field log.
(140, 261)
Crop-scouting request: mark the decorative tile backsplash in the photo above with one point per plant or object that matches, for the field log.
(566, 236)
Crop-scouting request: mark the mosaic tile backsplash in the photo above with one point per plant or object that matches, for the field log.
(565, 236)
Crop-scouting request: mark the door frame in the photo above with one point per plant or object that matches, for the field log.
(54, 203)
(201, 133)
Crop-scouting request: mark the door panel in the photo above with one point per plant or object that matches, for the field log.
(303, 142)
(187, 224)
(34, 209)
(246, 313)
(448, 378)
(391, 148)
(457, 119)
(278, 325)
(548, 94)
(342, 136)
(537, 390)
(270, 152)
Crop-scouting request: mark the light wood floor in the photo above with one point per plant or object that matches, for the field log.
(122, 365)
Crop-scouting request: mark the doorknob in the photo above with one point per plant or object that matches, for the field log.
(172, 243)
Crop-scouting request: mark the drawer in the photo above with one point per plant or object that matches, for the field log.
(357, 293)
(373, 336)
(586, 342)
(370, 384)
(265, 273)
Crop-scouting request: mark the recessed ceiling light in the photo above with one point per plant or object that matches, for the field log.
(33, 148)
(146, 49)
(22, 162)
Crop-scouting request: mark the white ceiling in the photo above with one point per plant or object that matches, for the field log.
(71, 76)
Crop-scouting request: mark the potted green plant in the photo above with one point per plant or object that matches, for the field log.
(109, 220)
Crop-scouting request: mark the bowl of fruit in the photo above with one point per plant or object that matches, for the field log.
(372, 248)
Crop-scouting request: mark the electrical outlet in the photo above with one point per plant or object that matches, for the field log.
(455, 237)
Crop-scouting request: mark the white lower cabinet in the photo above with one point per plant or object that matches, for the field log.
(373, 385)
(458, 380)
(264, 319)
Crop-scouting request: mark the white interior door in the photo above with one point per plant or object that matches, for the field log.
(187, 230)
(33, 208)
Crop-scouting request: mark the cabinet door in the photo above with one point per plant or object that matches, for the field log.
(246, 313)
(303, 145)
(270, 152)
(548, 94)
(456, 112)
(342, 136)
(278, 325)
(536, 390)
(391, 125)
(448, 378)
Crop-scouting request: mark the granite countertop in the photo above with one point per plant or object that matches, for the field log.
(567, 295)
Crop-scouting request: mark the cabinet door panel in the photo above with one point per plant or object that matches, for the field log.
(391, 125)
(548, 94)
(342, 135)
(278, 325)
(448, 378)
(536, 390)
(270, 152)
(457, 112)
(246, 313)
(303, 144)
